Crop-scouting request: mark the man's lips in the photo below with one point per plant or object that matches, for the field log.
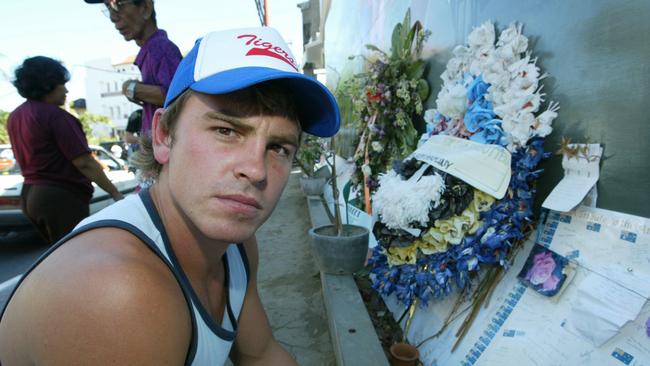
(245, 200)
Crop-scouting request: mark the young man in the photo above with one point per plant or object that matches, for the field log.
(157, 279)
(158, 56)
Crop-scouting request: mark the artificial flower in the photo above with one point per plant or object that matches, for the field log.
(491, 94)
(452, 101)
(401, 203)
(401, 255)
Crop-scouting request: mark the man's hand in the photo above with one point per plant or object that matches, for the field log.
(144, 93)
(129, 89)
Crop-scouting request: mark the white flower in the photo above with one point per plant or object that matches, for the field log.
(452, 102)
(454, 70)
(460, 52)
(544, 120)
(402, 202)
(518, 127)
(429, 115)
(377, 146)
(511, 42)
(482, 36)
(365, 169)
(526, 74)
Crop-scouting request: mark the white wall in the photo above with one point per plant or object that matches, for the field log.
(104, 90)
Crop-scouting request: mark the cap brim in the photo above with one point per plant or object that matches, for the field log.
(94, 1)
(317, 107)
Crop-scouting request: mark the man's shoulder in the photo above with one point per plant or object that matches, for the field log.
(161, 45)
(107, 267)
(99, 284)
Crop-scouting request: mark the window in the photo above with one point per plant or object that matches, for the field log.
(106, 160)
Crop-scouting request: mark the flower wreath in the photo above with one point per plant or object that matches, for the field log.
(436, 231)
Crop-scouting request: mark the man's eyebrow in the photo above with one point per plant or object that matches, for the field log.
(290, 139)
(235, 121)
(281, 138)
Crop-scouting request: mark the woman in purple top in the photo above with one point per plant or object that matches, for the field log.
(157, 59)
(52, 152)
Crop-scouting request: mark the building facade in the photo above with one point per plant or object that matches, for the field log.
(104, 89)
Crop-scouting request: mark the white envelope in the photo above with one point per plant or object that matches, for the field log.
(483, 166)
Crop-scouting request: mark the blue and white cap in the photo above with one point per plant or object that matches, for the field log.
(227, 61)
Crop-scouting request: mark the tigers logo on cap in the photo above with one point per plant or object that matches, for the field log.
(267, 49)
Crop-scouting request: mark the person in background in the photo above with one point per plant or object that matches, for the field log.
(132, 131)
(133, 126)
(50, 146)
(169, 276)
(157, 59)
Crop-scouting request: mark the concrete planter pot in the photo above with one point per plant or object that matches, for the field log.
(403, 354)
(312, 186)
(339, 255)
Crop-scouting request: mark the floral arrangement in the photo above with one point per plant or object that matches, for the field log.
(385, 99)
(309, 154)
(435, 231)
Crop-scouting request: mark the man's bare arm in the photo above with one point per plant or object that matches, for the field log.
(255, 344)
(97, 301)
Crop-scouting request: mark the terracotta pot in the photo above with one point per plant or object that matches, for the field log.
(403, 354)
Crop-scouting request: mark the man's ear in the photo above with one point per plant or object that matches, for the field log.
(148, 9)
(161, 139)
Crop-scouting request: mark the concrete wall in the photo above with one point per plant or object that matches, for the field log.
(596, 53)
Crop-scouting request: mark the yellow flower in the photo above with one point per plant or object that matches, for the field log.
(402, 255)
(432, 242)
(482, 201)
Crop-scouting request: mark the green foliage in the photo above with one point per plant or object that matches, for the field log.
(309, 153)
(4, 136)
(87, 119)
(384, 100)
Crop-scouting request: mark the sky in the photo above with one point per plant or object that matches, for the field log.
(75, 32)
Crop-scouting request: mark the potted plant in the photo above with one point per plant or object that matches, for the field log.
(339, 248)
(309, 155)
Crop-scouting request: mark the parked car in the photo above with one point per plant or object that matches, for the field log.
(15, 225)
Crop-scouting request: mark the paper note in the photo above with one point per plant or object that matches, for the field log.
(580, 175)
(483, 166)
(602, 308)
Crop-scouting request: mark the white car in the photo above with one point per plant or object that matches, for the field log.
(14, 224)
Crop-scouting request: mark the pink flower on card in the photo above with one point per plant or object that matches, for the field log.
(542, 271)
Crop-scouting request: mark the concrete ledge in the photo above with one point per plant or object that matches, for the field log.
(353, 336)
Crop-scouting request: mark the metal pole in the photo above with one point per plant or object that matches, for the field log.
(266, 13)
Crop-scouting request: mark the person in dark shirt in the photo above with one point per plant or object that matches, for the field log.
(157, 59)
(50, 146)
(132, 131)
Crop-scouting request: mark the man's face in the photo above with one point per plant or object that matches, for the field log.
(226, 174)
(129, 20)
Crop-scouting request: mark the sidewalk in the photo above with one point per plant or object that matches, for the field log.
(289, 281)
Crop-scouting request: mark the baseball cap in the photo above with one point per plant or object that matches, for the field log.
(227, 61)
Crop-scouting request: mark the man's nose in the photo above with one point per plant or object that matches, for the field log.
(252, 165)
(113, 16)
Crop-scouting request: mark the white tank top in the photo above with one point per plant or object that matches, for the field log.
(211, 342)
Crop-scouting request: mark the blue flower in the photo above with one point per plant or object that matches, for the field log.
(477, 116)
(477, 89)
